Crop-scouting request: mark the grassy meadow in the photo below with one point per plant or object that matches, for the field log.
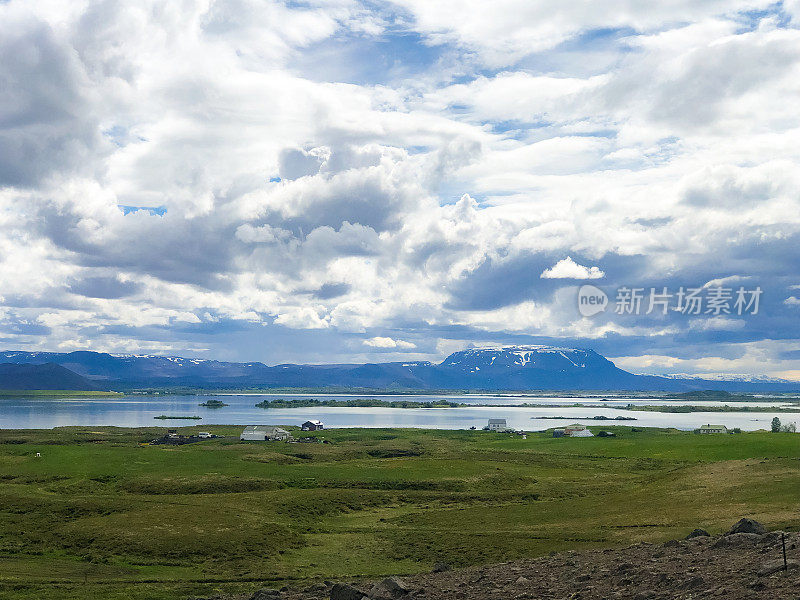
(101, 514)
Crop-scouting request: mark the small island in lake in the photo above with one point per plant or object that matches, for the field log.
(595, 418)
(212, 404)
(357, 403)
(176, 417)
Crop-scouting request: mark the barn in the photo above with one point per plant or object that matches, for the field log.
(262, 433)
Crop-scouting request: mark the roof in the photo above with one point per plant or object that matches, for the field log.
(496, 421)
(583, 433)
(268, 429)
(713, 427)
(314, 421)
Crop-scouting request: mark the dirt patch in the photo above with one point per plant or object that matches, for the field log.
(740, 566)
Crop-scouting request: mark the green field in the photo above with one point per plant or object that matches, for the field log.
(102, 515)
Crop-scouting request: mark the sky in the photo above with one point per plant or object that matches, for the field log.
(353, 181)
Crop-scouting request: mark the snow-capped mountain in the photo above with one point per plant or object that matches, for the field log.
(535, 357)
(510, 368)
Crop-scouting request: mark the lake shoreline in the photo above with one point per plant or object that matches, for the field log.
(358, 411)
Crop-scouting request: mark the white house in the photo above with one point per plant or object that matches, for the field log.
(712, 429)
(582, 433)
(261, 433)
(312, 425)
(498, 425)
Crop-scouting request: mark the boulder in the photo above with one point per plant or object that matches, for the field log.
(698, 533)
(342, 591)
(389, 589)
(441, 567)
(747, 526)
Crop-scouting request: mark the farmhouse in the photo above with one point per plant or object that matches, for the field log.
(261, 433)
(712, 429)
(571, 430)
(312, 425)
(582, 433)
(497, 425)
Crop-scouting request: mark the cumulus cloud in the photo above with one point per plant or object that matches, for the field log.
(387, 342)
(567, 268)
(431, 186)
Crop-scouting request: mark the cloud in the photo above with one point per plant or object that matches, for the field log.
(387, 342)
(322, 173)
(103, 287)
(568, 269)
(48, 121)
(792, 301)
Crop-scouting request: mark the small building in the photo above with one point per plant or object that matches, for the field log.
(582, 433)
(262, 433)
(312, 425)
(571, 430)
(497, 425)
(712, 429)
(558, 433)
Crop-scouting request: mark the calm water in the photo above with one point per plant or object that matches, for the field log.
(132, 411)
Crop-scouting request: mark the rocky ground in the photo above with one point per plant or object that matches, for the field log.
(745, 563)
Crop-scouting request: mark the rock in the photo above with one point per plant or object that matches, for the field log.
(694, 583)
(698, 533)
(645, 595)
(266, 594)
(522, 580)
(747, 526)
(441, 567)
(342, 591)
(777, 566)
(671, 544)
(389, 588)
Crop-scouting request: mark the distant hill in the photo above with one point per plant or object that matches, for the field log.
(512, 368)
(47, 376)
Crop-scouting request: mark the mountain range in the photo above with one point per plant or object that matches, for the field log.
(512, 368)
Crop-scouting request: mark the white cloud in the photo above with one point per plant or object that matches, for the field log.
(567, 268)
(792, 301)
(421, 188)
(387, 342)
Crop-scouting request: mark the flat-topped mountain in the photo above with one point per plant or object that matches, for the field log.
(511, 368)
(47, 376)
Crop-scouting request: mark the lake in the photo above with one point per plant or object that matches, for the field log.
(139, 410)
